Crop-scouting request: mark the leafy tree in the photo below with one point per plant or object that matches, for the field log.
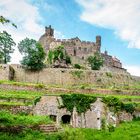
(34, 54)
(6, 42)
(6, 46)
(95, 61)
(4, 20)
(58, 54)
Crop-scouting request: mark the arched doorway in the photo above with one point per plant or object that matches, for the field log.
(66, 119)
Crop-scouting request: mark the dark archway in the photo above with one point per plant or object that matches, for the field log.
(66, 119)
(53, 118)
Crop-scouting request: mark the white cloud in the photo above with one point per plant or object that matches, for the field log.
(26, 17)
(120, 15)
(134, 70)
(58, 34)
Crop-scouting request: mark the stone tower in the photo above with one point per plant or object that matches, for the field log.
(98, 40)
(49, 31)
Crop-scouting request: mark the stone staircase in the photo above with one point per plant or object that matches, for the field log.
(48, 128)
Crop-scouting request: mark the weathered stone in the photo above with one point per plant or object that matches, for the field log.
(92, 118)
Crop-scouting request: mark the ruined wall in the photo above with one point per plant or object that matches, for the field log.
(92, 118)
(60, 76)
(74, 46)
(6, 72)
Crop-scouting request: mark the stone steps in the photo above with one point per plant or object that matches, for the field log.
(48, 128)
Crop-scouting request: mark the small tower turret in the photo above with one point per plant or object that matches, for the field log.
(98, 40)
(49, 31)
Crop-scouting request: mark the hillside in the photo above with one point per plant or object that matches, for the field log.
(19, 98)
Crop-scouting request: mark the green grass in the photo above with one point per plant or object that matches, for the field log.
(21, 97)
(126, 131)
(38, 85)
(8, 119)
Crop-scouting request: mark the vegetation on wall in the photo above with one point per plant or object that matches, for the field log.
(77, 74)
(115, 105)
(59, 55)
(109, 74)
(80, 101)
(77, 66)
(95, 61)
(34, 54)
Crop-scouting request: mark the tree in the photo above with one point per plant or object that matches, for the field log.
(59, 55)
(95, 61)
(4, 20)
(6, 42)
(6, 46)
(34, 54)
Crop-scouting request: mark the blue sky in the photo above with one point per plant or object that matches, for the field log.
(83, 18)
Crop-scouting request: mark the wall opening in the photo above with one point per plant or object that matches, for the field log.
(74, 52)
(66, 119)
(53, 118)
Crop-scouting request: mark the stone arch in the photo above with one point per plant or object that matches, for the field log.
(66, 119)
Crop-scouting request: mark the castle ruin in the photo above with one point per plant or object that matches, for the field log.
(77, 49)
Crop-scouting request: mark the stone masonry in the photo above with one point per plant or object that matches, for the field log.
(77, 49)
(92, 118)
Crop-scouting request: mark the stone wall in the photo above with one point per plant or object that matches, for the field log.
(59, 76)
(70, 76)
(92, 118)
(50, 105)
(4, 72)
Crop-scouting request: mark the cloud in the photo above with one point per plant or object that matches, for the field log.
(59, 35)
(134, 70)
(120, 15)
(26, 17)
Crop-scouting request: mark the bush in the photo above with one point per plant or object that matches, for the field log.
(77, 66)
(81, 102)
(95, 61)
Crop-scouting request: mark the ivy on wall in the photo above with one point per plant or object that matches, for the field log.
(81, 102)
(77, 74)
(115, 105)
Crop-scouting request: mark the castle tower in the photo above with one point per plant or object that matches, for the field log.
(98, 40)
(49, 31)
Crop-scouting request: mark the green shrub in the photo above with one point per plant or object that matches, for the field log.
(40, 86)
(77, 66)
(77, 74)
(81, 102)
(37, 100)
(113, 103)
(109, 74)
(111, 128)
(95, 61)
(130, 108)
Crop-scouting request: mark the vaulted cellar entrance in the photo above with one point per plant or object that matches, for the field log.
(66, 119)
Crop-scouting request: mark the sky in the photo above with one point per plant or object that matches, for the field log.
(117, 21)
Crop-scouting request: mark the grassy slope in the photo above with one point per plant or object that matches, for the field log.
(126, 131)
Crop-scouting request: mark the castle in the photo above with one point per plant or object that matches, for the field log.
(77, 49)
